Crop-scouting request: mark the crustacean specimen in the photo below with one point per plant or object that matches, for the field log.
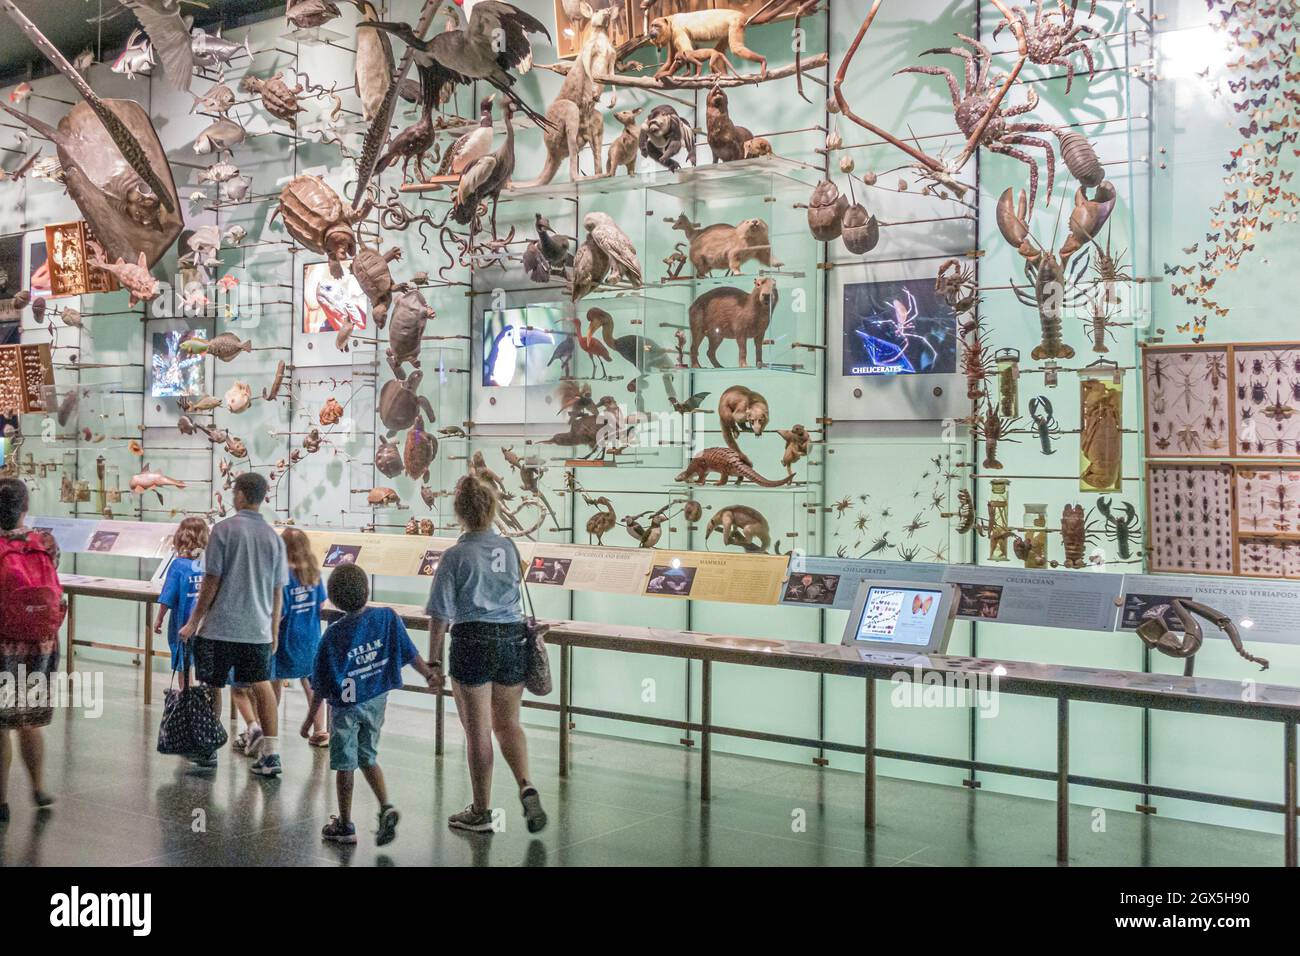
(976, 364)
(1101, 438)
(992, 428)
(1075, 534)
(1053, 288)
(1121, 528)
(1045, 424)
(973, 108)
(965, 513)
(957, 285)
(1049, 42)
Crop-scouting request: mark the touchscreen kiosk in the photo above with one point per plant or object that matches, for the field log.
(902, 617)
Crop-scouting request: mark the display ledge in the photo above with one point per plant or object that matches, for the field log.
(1265, 608)
(765, 177)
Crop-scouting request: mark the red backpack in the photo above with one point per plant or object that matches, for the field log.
(31, 599)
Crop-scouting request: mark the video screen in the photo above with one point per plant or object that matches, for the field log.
(528, 346)
(899, 615)
(898, 328)
(174, 372)
(327, 299)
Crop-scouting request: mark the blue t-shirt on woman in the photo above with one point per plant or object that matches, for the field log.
(299, 629)
(180, 592)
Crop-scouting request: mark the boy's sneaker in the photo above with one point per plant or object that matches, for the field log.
(338, 832)
(534, 815)
(268, 766)
(476, 821)
(387, 832)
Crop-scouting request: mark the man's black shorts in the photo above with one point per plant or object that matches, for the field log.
(217, 663)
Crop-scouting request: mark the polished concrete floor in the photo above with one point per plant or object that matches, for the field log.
(624, 804)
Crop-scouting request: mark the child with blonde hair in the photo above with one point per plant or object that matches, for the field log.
(299, 638)
(181, 585)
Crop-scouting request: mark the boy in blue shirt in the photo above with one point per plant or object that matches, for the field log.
(359, 661)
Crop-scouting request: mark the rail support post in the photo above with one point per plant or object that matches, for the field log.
(1062, 780)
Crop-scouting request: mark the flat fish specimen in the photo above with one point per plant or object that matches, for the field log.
(221, 137)
(227, 345)
(217, 100)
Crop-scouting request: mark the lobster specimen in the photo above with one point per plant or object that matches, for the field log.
(1121, 528)
(974, 109)
(1049, 43)
(1045, 424)
(992, 428)
(1054, 286)
(1075, 534)
(1101, 438)
(976, 364)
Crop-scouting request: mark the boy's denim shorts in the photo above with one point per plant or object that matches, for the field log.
(354, 733)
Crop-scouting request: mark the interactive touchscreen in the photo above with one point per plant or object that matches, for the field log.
(905, 616)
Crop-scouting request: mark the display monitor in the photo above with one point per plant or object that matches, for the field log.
(904, 617)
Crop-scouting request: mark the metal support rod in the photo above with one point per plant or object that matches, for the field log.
(1288, 792)
(564, 711)
(72, 632)
(440, 707)
(1063, 780)
(869, 762)
(706, 718)
(148, 654)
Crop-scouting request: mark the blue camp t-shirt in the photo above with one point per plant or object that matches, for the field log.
(299, 629)
(180, 592)
(361, 656)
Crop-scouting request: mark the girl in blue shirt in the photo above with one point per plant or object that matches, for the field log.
(180, 590)
(299, 637)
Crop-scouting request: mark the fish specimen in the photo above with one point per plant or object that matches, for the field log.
(150, 480)
(136, 58)
(170, 36)
(239, 397)
(221, 137)
(135, 277)
(219, 99)
(212, 50)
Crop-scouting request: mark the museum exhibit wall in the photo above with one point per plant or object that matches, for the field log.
(886, 445)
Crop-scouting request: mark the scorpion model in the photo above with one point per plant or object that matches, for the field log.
(1045, 424)
(1049, 43)
(972, 104)
(1120, 528)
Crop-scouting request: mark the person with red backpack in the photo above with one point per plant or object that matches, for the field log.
(31, 612)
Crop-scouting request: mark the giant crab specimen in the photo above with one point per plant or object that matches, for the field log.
(974, 107)
(1049, 43)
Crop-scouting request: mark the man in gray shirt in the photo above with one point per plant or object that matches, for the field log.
(236, 621)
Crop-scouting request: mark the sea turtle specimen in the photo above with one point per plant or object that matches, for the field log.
(370, 267)
(388, 459)
(410, 314)
(421, 448)
(399, 404)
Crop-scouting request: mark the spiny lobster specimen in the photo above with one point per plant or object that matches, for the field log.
(972, 103)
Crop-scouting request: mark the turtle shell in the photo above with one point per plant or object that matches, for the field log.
(311, 208)
(421, 447)
(387, 459)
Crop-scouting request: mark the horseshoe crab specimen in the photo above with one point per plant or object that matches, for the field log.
(114, 167)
